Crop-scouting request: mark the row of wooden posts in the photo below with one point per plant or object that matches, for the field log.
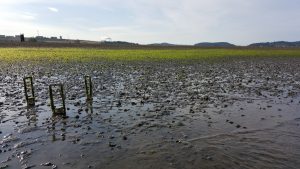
(30, 94)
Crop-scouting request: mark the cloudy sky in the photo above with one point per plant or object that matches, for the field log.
(150, 21)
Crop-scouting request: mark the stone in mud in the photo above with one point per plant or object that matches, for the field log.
(205, 98)
(3, 167)
(141, 124)
(27, 130)
(110, 144)
(119, 104)
(117, 130)
(47, 164)
(28, 167)
(165, 113)
(208, 158)
(8, 138)
(180, 124)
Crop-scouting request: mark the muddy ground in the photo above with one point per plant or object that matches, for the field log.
(240, 113)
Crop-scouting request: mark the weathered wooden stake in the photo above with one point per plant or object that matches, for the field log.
(59, 110)
(29, 91)
(88, 88)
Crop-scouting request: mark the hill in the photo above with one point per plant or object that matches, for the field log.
(279, 44)
(214, 44)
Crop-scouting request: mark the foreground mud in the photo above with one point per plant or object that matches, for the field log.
(241, 113)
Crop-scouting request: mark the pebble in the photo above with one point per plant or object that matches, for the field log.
(208, 158)
(180, 124)
(3, 167)
(124, 137)
(112, 144)
(28, 167)
(47, 164)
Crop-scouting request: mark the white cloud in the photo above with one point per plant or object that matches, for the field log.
(52, 9)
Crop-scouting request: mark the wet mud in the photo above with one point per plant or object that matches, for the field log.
(242, 113)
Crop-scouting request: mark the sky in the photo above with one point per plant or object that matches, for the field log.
(154, 21)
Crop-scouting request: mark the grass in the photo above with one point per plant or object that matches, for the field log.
(86, 54)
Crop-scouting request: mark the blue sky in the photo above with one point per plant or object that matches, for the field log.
(151, 21)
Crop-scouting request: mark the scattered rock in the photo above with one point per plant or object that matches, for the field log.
(47, 164)
(124, 137)
(3, 167)
(112, 144)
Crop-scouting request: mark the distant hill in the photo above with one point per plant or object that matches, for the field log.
(162, 44)
(215, 44)
(279, 44)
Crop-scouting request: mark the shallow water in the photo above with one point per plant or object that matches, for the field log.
(234, 114)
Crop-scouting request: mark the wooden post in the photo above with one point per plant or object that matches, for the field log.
(88, 88)
(29, 91)
(60, 110)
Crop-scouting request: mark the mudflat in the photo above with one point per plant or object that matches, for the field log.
(238, 112)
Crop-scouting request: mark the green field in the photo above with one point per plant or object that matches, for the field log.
(91, 54)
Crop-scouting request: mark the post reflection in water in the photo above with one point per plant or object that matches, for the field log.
(58, 129)
(31, 116)
(89, 107)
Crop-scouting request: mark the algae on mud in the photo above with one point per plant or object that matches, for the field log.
(87, 54)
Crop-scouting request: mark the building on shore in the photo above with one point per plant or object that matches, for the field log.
(4, 38)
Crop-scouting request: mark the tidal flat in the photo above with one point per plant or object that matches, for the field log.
(238, 112)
